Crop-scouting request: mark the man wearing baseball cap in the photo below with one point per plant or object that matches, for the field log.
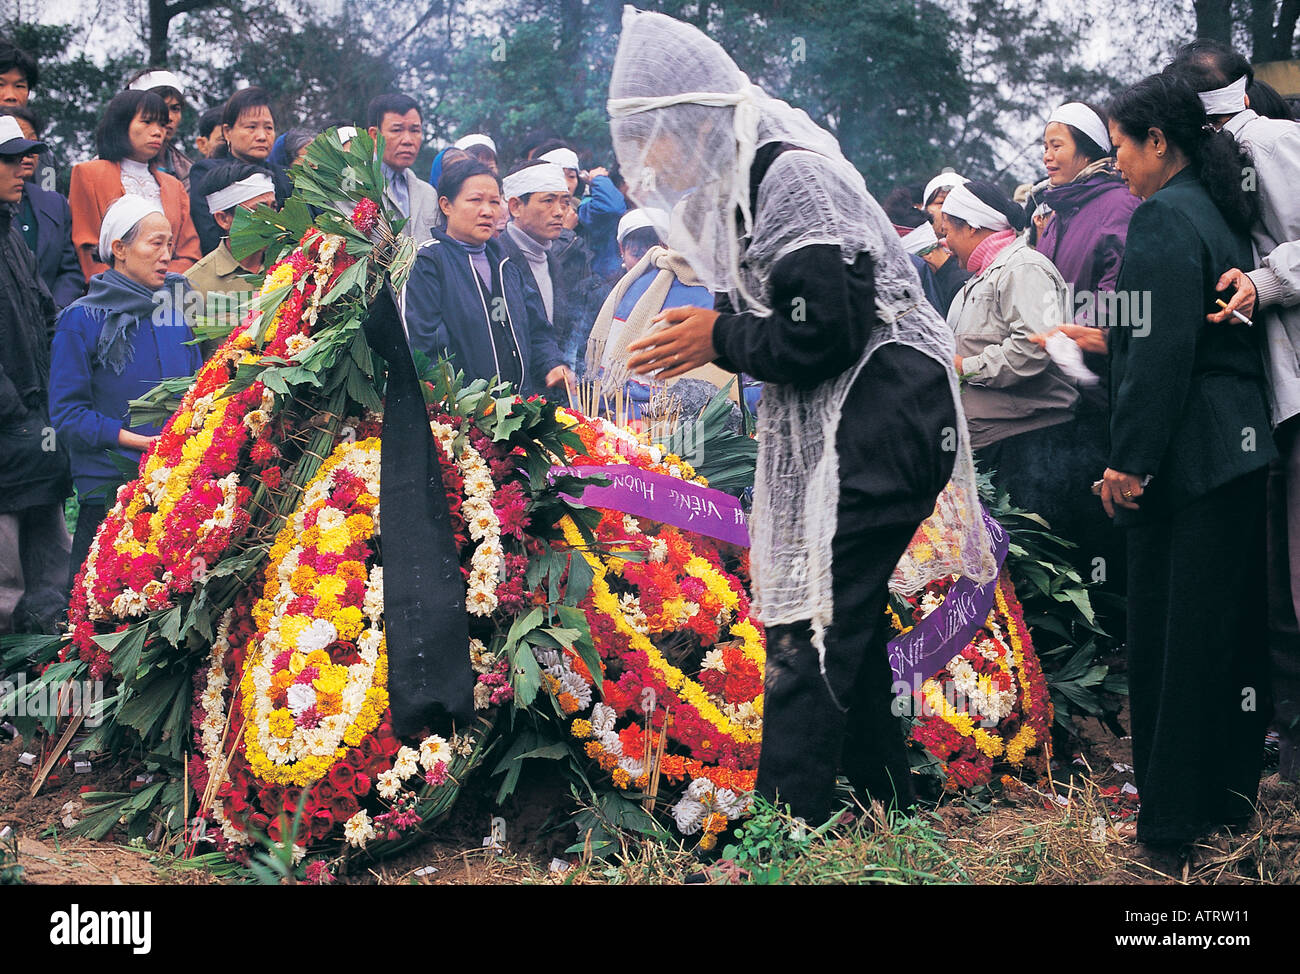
(34, 541)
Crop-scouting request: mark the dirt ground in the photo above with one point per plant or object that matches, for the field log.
(1029, 834)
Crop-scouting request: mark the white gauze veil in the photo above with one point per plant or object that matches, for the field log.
(686, 123)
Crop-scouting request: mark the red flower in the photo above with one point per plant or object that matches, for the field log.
(341, 776)
(321, 824)
(364, 215)
(343, 806)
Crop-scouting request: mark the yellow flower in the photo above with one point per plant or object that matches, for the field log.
(581, 729)
(280, 722)
(318, 657)
(279, 277)
(292, 628)
(330, 586)
(332, 680)
(360, 527)
(988, 744)
(349, 622)
(335, 541)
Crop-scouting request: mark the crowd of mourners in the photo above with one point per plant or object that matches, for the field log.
(1126, 333)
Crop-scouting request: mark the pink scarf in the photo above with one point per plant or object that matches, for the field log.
(988, 248)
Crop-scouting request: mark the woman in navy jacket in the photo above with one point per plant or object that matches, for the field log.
(464, 298)
(1189, 451)
(114, 345)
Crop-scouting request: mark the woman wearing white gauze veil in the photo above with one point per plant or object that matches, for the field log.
(860, 424)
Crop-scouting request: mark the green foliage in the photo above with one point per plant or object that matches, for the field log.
(907, 88)
(11, 873)
(727, 459)
(1058, 608)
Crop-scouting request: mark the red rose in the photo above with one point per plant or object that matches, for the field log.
(341, 776)
(343, 806)
(322, 793)
(361, 784)
(271, 799)
(322, 822)
(259, 822)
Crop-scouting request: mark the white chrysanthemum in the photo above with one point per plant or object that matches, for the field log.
(689, 815)
(297, 344)
(731, 804)
(129, 603)
(482, 696)
(432, 750)
(358, 830)
(389, 784)
(330, 518)
(602, 718)
(407, 762)
(318, 635)
(575, 685)
(373, 606)
(659, 550)
(368, 644)
(300, 697)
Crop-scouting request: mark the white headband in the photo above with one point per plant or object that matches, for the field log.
(477, 138)
(564, 158)
(634, 220)
(156, 79)
(546, 178)
(249, 188)
(1228, 100)
(121, 218)
(922, 238)
(1083, 118)
(966, 206)
(346, 134)
(945, 180)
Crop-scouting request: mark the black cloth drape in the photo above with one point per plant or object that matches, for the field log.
(429, 675)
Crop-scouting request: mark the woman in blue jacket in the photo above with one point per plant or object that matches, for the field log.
(115, 344)
(464, 298)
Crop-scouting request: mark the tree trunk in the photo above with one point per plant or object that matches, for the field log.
(1284, 35)
(159, 20)
(1261, 30)
(161, 14)
(1214, 19)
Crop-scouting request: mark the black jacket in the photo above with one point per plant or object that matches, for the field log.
(209, 233)
(1187, 397)
(891, 461)
(500, 331)
(31, 473)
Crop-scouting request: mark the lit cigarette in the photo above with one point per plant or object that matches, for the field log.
(1236, 314)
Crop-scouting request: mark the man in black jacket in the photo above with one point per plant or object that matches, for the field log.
(34, 541)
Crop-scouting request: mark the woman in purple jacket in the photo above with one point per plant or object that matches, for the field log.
(1085, 240)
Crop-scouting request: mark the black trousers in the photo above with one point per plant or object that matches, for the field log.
(1198, 662)
(893, 464)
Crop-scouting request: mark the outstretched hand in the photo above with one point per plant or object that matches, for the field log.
(1243, 300)
(1088, 339)
(684, 343)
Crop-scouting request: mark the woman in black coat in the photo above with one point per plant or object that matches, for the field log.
(1190, 445)
(465, 299)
